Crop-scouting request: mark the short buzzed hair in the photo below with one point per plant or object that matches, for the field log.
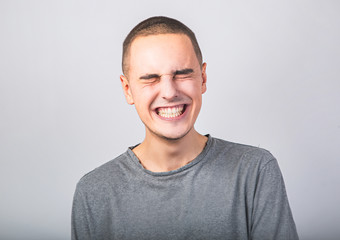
(155, 26)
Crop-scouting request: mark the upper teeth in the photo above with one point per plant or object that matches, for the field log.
(170, 112)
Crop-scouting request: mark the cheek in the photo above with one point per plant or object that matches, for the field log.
(191, 88)
(142, 98)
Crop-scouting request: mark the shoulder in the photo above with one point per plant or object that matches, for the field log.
(241, 154)
(104, 176)
(246, 165)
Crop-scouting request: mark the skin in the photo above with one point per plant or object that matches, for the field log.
(164, 72)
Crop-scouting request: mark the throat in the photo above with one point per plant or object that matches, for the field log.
(164, 157)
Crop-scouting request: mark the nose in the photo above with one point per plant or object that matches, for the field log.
(168, 89)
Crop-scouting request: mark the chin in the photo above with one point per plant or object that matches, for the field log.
(170, 136)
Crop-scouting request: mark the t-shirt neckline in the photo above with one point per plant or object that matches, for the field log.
(198, 159)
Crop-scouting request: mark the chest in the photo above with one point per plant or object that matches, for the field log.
(190, 209)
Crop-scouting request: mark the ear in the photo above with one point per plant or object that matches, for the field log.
(204, 78)
(126, 89)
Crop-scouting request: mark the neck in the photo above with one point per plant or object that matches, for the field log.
(161, 155)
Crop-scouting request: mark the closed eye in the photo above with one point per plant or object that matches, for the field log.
(150, 78)
(182, 76)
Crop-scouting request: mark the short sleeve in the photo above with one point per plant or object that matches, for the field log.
(80, 224)
(272, 217)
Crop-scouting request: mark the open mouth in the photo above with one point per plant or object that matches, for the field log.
(171, 112)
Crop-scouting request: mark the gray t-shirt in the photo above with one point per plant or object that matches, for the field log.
(230, 191)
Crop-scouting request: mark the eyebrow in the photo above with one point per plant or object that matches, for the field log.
(184, 71)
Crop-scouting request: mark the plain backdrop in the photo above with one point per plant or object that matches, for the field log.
(273, 82)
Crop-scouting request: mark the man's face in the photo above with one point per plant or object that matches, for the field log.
(165, 82)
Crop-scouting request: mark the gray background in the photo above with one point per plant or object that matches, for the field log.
(273, 81)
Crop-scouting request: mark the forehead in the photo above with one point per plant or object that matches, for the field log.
(161, 53)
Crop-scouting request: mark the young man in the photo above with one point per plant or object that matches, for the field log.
(177, 183)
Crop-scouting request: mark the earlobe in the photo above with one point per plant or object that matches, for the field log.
(204, 78)
(127, 90)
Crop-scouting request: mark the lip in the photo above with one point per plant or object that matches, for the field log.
(185, 110)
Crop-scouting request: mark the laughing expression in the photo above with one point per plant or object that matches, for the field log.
(165, 82)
